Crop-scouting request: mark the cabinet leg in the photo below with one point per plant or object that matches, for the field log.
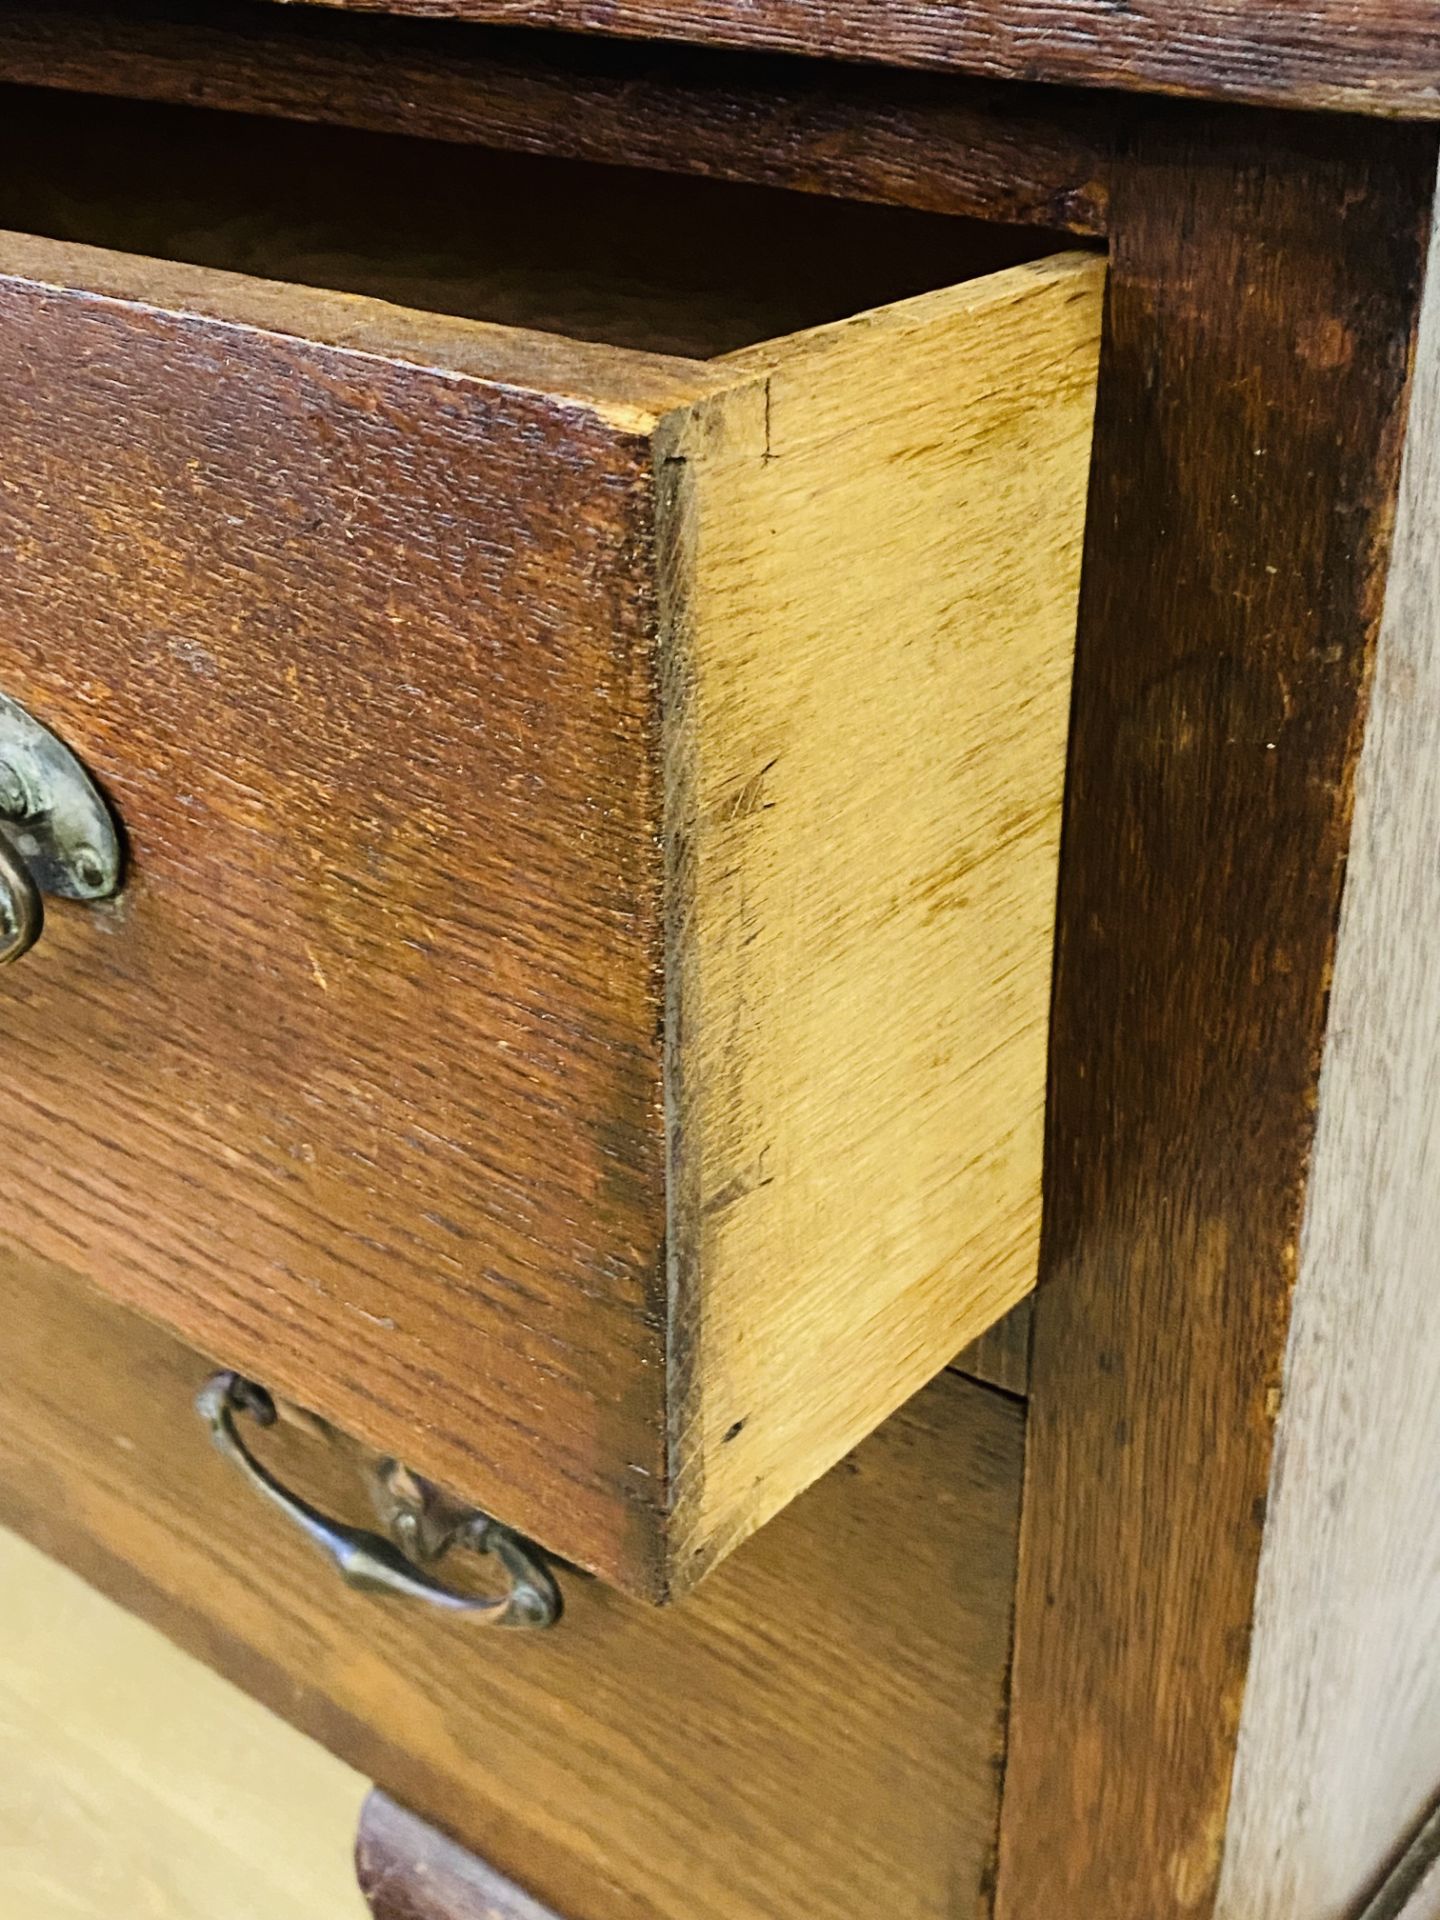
(409, 1871)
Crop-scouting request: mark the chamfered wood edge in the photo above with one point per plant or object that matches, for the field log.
(1339, 1743)
(1000, 152)
(409, 1871)
(1415, 1875)
(1241, 511)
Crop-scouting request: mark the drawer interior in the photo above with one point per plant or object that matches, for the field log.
(665, 264)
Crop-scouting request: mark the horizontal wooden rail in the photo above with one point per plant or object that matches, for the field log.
(1013, 154)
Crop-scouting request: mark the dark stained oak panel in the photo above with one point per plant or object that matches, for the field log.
(1375, 56)
(1339, 1748)
(359, 1078)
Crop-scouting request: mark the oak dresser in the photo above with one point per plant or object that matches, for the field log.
(719, 789)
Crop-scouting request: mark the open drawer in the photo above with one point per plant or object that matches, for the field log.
(576, 1016)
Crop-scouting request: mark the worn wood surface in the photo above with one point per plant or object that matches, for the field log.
(136, 1785)
(628, 390)
(1366, 56)
(384, 1137)
(1264, 289)
(409, 1871)
(866, 763)
(1339, 1751)
(776, 1744)
(1004, 153)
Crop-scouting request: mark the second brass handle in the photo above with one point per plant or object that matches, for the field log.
(369, 1561)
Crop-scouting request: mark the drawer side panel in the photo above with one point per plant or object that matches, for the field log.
(865, 777)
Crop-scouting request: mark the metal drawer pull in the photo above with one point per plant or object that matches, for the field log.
(56, 833)
(425, 1523)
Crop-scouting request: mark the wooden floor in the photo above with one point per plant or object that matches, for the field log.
(137, 1785)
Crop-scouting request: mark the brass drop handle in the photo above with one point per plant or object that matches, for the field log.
(373, 1563)
(56, 832)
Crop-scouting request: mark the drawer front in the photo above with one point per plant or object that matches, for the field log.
(779, 1744)
(358, 1081)
(577, 1015)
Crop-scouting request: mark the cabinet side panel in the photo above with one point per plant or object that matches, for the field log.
(1265, 281)
(1340, 1740)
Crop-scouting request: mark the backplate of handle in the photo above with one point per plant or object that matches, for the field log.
(370, 1561)
(57, 835)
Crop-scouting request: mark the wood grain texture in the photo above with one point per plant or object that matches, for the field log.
(777, 1744)
(620, 1197)
(628, 390)
(866, 760)
(1264, 290)
(1339, 1752)
(336, 630)
(137, 1785)
(1006, 154)
(1365, 56)
(409, 1871)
